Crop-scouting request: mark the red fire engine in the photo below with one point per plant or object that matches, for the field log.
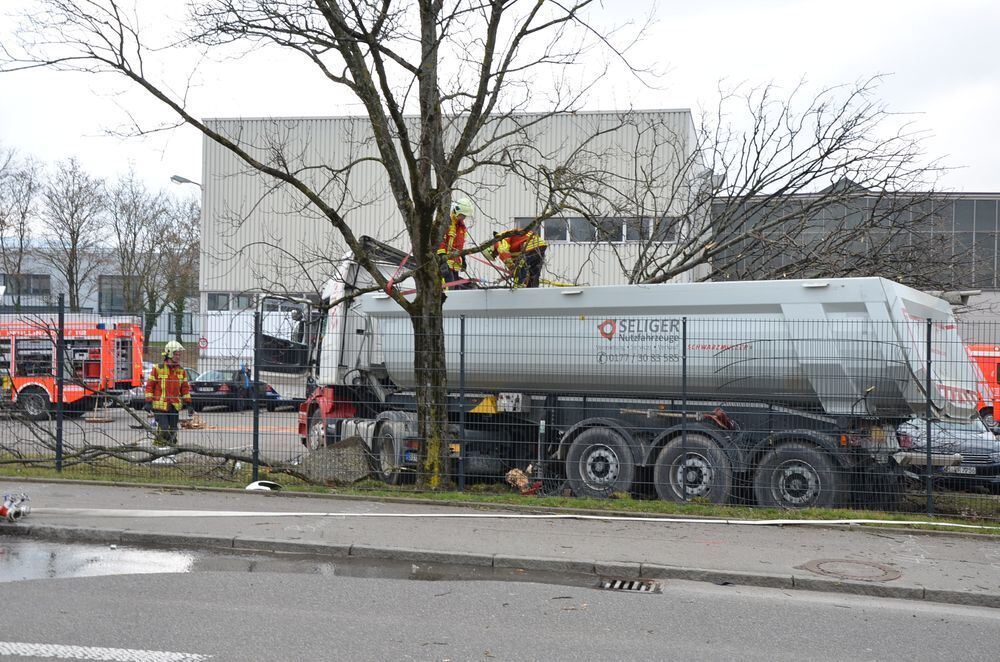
(101, 357)
(987, 358)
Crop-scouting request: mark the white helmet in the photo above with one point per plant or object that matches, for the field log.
(463, 207)
(171, 348)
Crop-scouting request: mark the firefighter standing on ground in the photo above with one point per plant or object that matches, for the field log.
(449, 260)
(167, 392)
(523, 253)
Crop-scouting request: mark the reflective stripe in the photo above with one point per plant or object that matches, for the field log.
(454, 241)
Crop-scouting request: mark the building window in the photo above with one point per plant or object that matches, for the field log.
(242, 302)
(111, 296)
(33, 285)
(608, 229)
(218, 301)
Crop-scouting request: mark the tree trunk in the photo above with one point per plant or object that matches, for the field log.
(178, 313)
(432, 379)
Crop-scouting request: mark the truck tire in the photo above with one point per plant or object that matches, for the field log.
(704, 472)
(34, 403)
(599, 463)
(797, 475)
(316, 435)
(387, 455)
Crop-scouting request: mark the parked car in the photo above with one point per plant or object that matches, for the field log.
(231, 389)
(976, 443)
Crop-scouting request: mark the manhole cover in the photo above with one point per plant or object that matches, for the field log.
(864, 571)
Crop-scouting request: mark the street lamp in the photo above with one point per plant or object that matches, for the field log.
(177, 179)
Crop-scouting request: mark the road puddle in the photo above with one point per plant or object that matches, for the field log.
(22, 560)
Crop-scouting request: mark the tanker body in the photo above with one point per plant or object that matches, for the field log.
(787, 393)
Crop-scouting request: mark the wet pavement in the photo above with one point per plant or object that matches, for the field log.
(22, 560)
(340, 533)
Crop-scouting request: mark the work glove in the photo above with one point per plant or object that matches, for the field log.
(443, 267)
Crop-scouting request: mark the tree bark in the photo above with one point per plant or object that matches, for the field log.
(432, 379)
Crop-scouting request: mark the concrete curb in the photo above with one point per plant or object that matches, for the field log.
(523, 508)
(596, 568)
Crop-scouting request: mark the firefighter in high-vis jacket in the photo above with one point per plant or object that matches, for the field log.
(449, 260)
(167, 393)
(523, 253)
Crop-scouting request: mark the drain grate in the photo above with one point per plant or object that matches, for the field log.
(630, 585)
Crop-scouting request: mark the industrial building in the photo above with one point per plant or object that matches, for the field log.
(259, 237)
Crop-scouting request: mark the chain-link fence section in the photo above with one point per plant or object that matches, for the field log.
(853, 405)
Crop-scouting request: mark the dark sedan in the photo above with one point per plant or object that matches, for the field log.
(230, 389)
(978, 446)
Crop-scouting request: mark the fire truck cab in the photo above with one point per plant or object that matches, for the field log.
(987, 359)
(101, 358)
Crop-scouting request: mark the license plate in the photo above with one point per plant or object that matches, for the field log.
(205, 390)
(961, 470)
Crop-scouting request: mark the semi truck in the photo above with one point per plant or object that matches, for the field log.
(783, 393)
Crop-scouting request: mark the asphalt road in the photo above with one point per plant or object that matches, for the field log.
(115, 426)
(232, 608)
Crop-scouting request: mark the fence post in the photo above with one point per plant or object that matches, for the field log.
(461, 400)
(256, 394)
(684, 406)
(60, 379)
(928, 413)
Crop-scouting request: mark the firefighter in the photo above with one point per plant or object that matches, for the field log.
(449, 260)
(167, 392)
(523, 253)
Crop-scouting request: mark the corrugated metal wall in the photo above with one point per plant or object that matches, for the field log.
(257, 235)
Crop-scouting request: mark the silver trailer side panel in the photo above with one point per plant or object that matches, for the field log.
(840, 346)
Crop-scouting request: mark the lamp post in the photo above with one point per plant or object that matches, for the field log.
(177, 179)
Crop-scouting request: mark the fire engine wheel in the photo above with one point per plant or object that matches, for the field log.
(797, 475)
(317, 431)
(34, 403)
(695, 468)
(599, 463)
(387, 453)
(987, 416)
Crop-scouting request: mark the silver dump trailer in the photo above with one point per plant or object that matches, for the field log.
(783, 393)
(836, 346)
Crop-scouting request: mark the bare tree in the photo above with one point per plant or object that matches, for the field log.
(779, 186)
(180, 250)
(73, 218)
(440, 86)
(20, 186)
(139, 221)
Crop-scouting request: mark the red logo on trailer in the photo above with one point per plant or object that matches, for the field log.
(608, 328)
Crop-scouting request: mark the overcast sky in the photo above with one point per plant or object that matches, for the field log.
(941, 58)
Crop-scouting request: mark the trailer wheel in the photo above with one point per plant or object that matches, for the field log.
(387, 453)
(317, 431)
(797, 475)
(34, 403)
(693, 468)
(987, 416)
(599, 463)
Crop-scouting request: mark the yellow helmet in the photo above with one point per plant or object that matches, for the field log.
(462, 207)
(171, 349)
